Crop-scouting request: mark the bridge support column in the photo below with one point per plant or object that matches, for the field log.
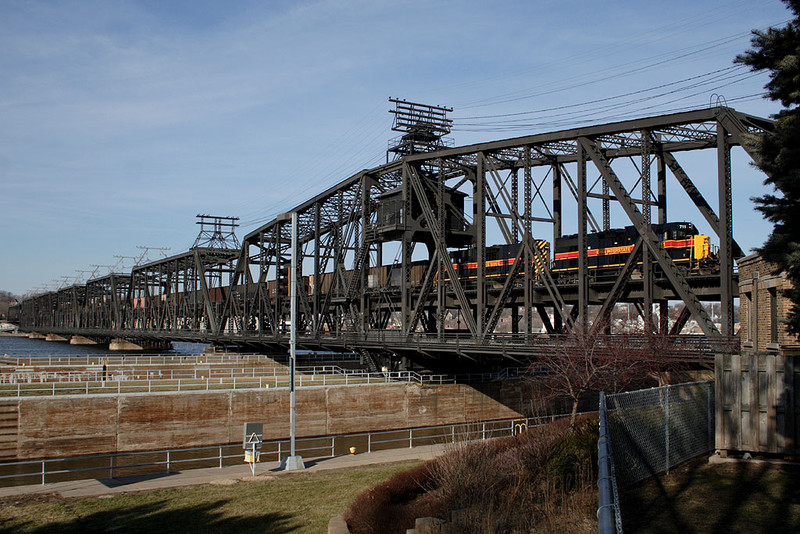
(81, 340)
(125, 344)
(35, 335)
(55, 337)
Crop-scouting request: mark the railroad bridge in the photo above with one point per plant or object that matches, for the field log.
(450, 256)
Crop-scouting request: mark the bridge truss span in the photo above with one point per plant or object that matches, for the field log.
(463, 255)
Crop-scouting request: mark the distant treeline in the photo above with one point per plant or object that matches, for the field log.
(7, 299)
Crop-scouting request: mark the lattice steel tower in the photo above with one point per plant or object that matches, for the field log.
(217, 232)
(423, 127)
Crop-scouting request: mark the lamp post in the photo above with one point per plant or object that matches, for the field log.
(293, 462)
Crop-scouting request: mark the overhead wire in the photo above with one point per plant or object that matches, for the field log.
(669, 31)
(561, 84)
(315, 165)
(324, 176)
(465, 120)
(332, 176)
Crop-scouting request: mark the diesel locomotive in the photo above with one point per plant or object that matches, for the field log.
(607, 251)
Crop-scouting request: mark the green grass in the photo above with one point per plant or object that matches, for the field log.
(296, 502)
(720, 498)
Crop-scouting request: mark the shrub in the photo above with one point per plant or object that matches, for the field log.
(385, 507)
(538, 481)
(573, 454)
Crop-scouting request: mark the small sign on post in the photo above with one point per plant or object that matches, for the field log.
(253, 437)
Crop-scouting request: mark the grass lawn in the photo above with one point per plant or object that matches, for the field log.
(720, 498)
(296, 502)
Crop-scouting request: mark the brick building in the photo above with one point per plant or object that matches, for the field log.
(762, 308)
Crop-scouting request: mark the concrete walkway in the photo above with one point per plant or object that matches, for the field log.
(215, 475)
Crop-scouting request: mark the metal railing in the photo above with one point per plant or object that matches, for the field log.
(170, 460)
(609, 518)
(119, 386)
(201, 369)
(137, 372)
(142, 359)
(134, 379)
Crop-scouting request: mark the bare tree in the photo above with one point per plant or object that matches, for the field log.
(588, 360)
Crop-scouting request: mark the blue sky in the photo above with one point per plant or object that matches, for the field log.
(120, 121)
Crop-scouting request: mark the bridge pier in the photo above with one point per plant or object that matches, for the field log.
(120, 344)
(82, 340)
(55, 337)
(216, 348)
(35, 335)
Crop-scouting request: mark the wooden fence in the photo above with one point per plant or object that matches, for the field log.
(757, 404)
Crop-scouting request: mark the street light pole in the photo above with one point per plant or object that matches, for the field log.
(293, 462)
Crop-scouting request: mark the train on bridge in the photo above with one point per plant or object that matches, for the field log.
(449, 299)
(607, 254)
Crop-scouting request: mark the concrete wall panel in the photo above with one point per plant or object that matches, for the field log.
(98, 424)
(66, 426)
(192, 419)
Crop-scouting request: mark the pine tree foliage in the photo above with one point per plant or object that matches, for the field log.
(777, 51)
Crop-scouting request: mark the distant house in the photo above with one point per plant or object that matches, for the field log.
(763, 308)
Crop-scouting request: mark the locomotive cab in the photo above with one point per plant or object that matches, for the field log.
(608, 250)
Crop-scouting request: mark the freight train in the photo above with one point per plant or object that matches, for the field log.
(499, 260)
(607, 251)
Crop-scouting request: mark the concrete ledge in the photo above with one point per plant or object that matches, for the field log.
(337, 525)
(123, 344)
(716, 459)
(118, 344)
(80, 340)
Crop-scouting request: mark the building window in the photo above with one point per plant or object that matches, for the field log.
(773, 315)
(747, 311)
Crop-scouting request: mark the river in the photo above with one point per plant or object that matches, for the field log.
(22, 347)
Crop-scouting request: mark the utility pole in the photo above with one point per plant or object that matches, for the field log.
(293, 462)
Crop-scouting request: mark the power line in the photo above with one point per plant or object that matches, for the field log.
(606, 99)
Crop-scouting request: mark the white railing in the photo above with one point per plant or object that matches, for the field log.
(209, 384)
(141, 359)
(134, 380)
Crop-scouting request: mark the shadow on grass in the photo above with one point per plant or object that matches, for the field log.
(159, 516)
(132, 479)
(722, 498)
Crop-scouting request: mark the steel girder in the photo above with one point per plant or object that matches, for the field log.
(337, 242)
(521, 190)
(105, 306)
(182, 294)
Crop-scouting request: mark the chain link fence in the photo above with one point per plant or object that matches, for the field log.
(655, 429)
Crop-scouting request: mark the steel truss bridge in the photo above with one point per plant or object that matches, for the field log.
(376, 253)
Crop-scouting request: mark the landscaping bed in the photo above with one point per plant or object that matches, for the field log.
(542, 480)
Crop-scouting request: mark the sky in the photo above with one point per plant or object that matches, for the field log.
(121, 121)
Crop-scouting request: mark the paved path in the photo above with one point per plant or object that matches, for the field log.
(215, 475)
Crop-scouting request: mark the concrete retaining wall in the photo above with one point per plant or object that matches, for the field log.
(65, 426)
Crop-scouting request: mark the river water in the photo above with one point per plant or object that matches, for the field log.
(22, 347)
(143, 463)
